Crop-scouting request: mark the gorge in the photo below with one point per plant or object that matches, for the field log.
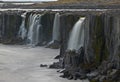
(89, 41)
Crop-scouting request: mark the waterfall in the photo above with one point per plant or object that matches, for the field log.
(22, 31)
(55, 33)
(56, 27)
(34, 29)
(76, 39)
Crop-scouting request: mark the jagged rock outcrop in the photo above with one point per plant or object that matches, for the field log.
(101, 44)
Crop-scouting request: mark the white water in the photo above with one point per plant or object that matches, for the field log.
(22, 64)
(22, 31)
(14, 9)
(34, 29)
(76, 39)
(56, 28)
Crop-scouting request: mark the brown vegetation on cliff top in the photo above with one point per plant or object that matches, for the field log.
(60, 2)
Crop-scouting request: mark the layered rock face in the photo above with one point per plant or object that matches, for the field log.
(98, 59)
(9, 25)
(47, 23)
(12, 24)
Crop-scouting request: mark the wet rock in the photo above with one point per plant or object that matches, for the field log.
(53, 44)
(100, 55)
(61, 71)
(47, 24)
(74, 74)
(9, 26)
(92, 74)
(55, 65)
(72, 61)
(65, 74)
(57, 57)
(43, 65)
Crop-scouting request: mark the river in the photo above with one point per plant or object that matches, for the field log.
(22, 64)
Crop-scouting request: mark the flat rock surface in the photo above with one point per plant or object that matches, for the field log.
(22, 64)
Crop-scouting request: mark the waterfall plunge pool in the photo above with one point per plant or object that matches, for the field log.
(22, 64)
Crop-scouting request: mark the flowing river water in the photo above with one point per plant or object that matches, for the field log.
(22, 64)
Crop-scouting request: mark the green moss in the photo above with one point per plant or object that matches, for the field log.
(107, 81)
(100, 49)
(99, 44)
(97, 39)
(93, 81)
(106, 53)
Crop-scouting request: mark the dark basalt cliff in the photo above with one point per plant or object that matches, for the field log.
(10, 22)
(100, 55)
(99, 58)
(9, 26)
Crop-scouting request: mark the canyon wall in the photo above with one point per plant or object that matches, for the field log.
(101, 50)
(99, 55)
(9, 25)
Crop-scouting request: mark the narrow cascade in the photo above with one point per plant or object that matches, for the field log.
(56, 27)
(34, 29)
(56, 33)
(76, 39)
(22, 31)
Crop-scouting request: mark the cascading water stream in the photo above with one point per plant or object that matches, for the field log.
(56, 28)
(34, 29)
(76, 39)
(31, 28)
(22, 31)
(55, 33)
